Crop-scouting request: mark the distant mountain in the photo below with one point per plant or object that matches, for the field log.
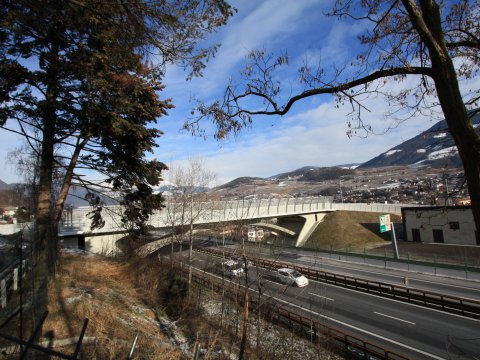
(238, 181)
(4, 185)
(434, 147)
(315, 173)
(295, 173)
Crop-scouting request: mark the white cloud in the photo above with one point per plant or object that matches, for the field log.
(315, 136)
(266, 25)
(313, 133)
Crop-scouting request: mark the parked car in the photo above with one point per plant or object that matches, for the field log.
(291, 277)
(232, 268)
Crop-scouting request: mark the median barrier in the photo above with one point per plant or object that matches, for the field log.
(448, 263)
(313, 329)
(452, 304)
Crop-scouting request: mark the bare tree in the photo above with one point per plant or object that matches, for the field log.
(189, 202)
(435, 43)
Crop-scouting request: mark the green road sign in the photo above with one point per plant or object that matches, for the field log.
(385, 223)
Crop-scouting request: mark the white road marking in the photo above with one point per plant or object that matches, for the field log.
(392, 317)
(446, 285)
(399, 302)
(323, 297)
(463, 287)
(433, 356)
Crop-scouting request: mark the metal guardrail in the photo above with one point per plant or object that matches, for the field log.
(447, 303)
(349, 344)
(445, 263)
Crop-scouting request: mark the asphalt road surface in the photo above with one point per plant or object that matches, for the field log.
(407, 329)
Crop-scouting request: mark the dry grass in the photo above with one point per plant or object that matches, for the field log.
(352, 230)
(103, 291)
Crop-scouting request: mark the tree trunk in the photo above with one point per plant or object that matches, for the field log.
(67, 181)
(429, 26)
(46, 231)
(190, 247)
(466, 139)
(243, 342)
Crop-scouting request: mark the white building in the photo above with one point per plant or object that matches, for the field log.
(440, 224)
(255, 234)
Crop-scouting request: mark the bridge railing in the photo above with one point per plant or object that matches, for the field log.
(222, 211)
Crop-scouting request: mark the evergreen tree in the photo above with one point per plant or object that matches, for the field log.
(84, 77)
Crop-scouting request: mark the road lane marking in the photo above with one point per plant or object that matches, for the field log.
(446, 285)
(323, 297)
(392, 317)
(386, 274)
(398, 301)
(433, 356)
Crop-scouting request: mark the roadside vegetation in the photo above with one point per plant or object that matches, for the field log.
(350, 230)
(146, 296)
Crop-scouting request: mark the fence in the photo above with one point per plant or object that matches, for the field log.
(447, 303)
(23, 289)
(469, 263)
(16, 263)
(348, 344)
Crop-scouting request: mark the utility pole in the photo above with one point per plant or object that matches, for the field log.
(341, 191)
(447, 199)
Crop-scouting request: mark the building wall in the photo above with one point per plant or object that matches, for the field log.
(104, 244)
(454, 223)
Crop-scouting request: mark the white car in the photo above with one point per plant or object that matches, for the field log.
(291, 277)
(232, 268)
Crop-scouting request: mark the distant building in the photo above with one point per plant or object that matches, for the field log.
(255, 234)
(440, 224)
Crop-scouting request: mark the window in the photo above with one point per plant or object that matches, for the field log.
(454, 225)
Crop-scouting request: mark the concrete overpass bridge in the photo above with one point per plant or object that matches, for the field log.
(76, 224)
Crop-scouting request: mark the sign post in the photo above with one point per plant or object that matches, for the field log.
(387, 225)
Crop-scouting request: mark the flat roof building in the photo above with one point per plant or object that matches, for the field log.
(440, 224)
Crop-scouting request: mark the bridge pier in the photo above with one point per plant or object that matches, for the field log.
(311, 223)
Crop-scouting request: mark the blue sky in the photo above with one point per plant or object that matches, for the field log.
(313, 133)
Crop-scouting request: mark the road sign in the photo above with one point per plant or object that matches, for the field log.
(385, 223)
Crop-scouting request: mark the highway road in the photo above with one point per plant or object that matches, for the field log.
(441, 284)
(407, 329)
(438, 271)
(427, 281)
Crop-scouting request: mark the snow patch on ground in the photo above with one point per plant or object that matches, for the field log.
(391, 152)
(421, 151)
(389, 186)
(443, 153)
(270, 336)
(439, 136)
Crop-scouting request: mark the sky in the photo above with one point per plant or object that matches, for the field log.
(313, 133)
